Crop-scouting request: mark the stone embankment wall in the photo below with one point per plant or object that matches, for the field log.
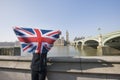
(11, 51)
(63, 68)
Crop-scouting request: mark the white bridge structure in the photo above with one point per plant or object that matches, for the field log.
(104, 40)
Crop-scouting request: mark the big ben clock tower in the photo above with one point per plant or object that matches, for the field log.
(67, 36)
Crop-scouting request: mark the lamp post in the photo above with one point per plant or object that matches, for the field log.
(100, 37)
(100, 47)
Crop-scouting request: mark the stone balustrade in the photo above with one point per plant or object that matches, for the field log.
(63, 68)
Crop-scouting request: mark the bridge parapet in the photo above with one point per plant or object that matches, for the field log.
(63, 68)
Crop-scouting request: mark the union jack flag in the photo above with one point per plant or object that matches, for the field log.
(36, 39)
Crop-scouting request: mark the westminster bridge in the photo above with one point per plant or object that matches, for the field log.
(104, 42)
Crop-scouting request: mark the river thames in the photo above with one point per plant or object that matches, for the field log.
(70, 51)
(65, 51)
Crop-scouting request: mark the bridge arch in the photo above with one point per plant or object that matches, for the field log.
(91, 43)
(79, 43)
(112, 39)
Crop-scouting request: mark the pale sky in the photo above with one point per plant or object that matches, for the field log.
(79, 17)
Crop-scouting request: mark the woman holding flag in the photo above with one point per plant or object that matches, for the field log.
(38, 42)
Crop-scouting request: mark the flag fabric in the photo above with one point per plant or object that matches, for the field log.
(32, 39)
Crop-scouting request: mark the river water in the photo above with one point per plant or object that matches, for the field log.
(65, 51)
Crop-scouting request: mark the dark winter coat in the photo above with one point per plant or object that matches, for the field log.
(39, 62)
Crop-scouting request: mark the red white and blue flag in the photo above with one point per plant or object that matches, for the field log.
(32, 39)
